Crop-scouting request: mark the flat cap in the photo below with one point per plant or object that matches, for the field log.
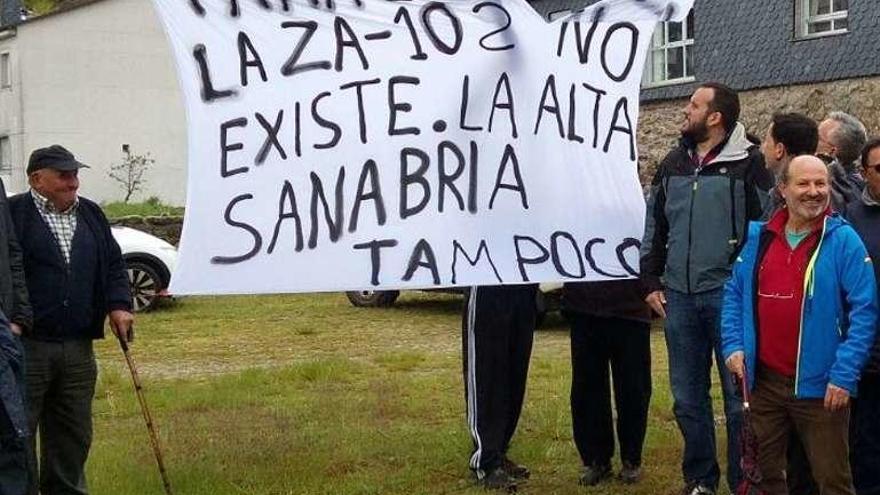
(55, 156)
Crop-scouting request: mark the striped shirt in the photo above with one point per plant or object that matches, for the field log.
(61, 223)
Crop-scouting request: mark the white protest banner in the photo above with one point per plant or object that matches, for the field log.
(357, 144)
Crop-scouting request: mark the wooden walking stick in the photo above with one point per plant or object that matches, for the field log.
(139, 391)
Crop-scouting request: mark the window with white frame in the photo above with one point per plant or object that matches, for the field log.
(5, 71)
(5, 155)
(671, 56)
(821, 17)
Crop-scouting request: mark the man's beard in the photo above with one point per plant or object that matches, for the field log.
(697, 133)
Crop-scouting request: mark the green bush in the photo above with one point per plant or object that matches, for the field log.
(152, 207)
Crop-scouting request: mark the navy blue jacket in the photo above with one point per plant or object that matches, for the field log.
(866, 220)
(70, 302)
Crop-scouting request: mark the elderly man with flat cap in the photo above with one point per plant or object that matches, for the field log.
(76, 278)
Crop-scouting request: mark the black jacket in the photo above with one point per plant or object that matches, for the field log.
(105, 268)
(866, 220)
(697, 219)
(609, 299)
(13, 288)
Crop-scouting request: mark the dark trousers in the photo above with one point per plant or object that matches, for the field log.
(61, 380)
(864, 428)
(693, 339)
(598, 343)
(13, 441)
(776, 412)
(797, 473)
(498, 328)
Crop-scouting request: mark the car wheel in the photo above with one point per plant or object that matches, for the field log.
(145, 285)
(372, 298)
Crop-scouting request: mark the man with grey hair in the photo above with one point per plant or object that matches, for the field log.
(841, 139)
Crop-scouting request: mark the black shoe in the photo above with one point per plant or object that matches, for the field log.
(630, 473)
(518, 471)
(499, 479)
(594, 474)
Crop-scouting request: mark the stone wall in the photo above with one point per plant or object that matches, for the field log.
(659, 121)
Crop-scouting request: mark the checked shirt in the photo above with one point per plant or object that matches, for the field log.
(61, 223)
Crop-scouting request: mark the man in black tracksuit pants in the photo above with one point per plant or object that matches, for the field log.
(497, 331)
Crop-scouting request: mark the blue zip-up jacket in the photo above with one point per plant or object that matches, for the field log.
(838, 314)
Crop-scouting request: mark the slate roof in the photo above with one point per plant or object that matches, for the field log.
(750, 44)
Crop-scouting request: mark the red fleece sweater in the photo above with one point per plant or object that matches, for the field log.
(780, 296)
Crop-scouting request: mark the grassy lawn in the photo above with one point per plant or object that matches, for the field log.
(308, 395)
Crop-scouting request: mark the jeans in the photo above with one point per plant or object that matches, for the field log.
(693, 333)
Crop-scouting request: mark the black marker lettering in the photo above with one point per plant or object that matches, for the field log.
(257, 238)
(394, 107)
(483, 248)
(634, 45)
(287, 209)
(505, 27)
(522, 261)
(371, 172)
(226, 148)
(557, 261)
(290, 67)
(550, 88)
(628, 130)
(441, 45)
(362, 118)
(245, 47)
(465, 96)
(504, 81)
(447, 180)
(334, 223)
(342, 29)
(407, 179)
(422, 257)
(271, 137)
(510, 157)
(375, 258)
(208, 93)
(326, 124)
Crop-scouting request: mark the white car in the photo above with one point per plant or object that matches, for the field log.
(150, 262)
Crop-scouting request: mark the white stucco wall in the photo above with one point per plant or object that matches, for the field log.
(95, 78)
(10, 111)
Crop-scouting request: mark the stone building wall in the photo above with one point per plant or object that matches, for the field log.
(659, 121)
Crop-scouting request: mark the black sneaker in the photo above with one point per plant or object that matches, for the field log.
(499, 479)
(594, 474)
(630, 473)
(518, 471)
